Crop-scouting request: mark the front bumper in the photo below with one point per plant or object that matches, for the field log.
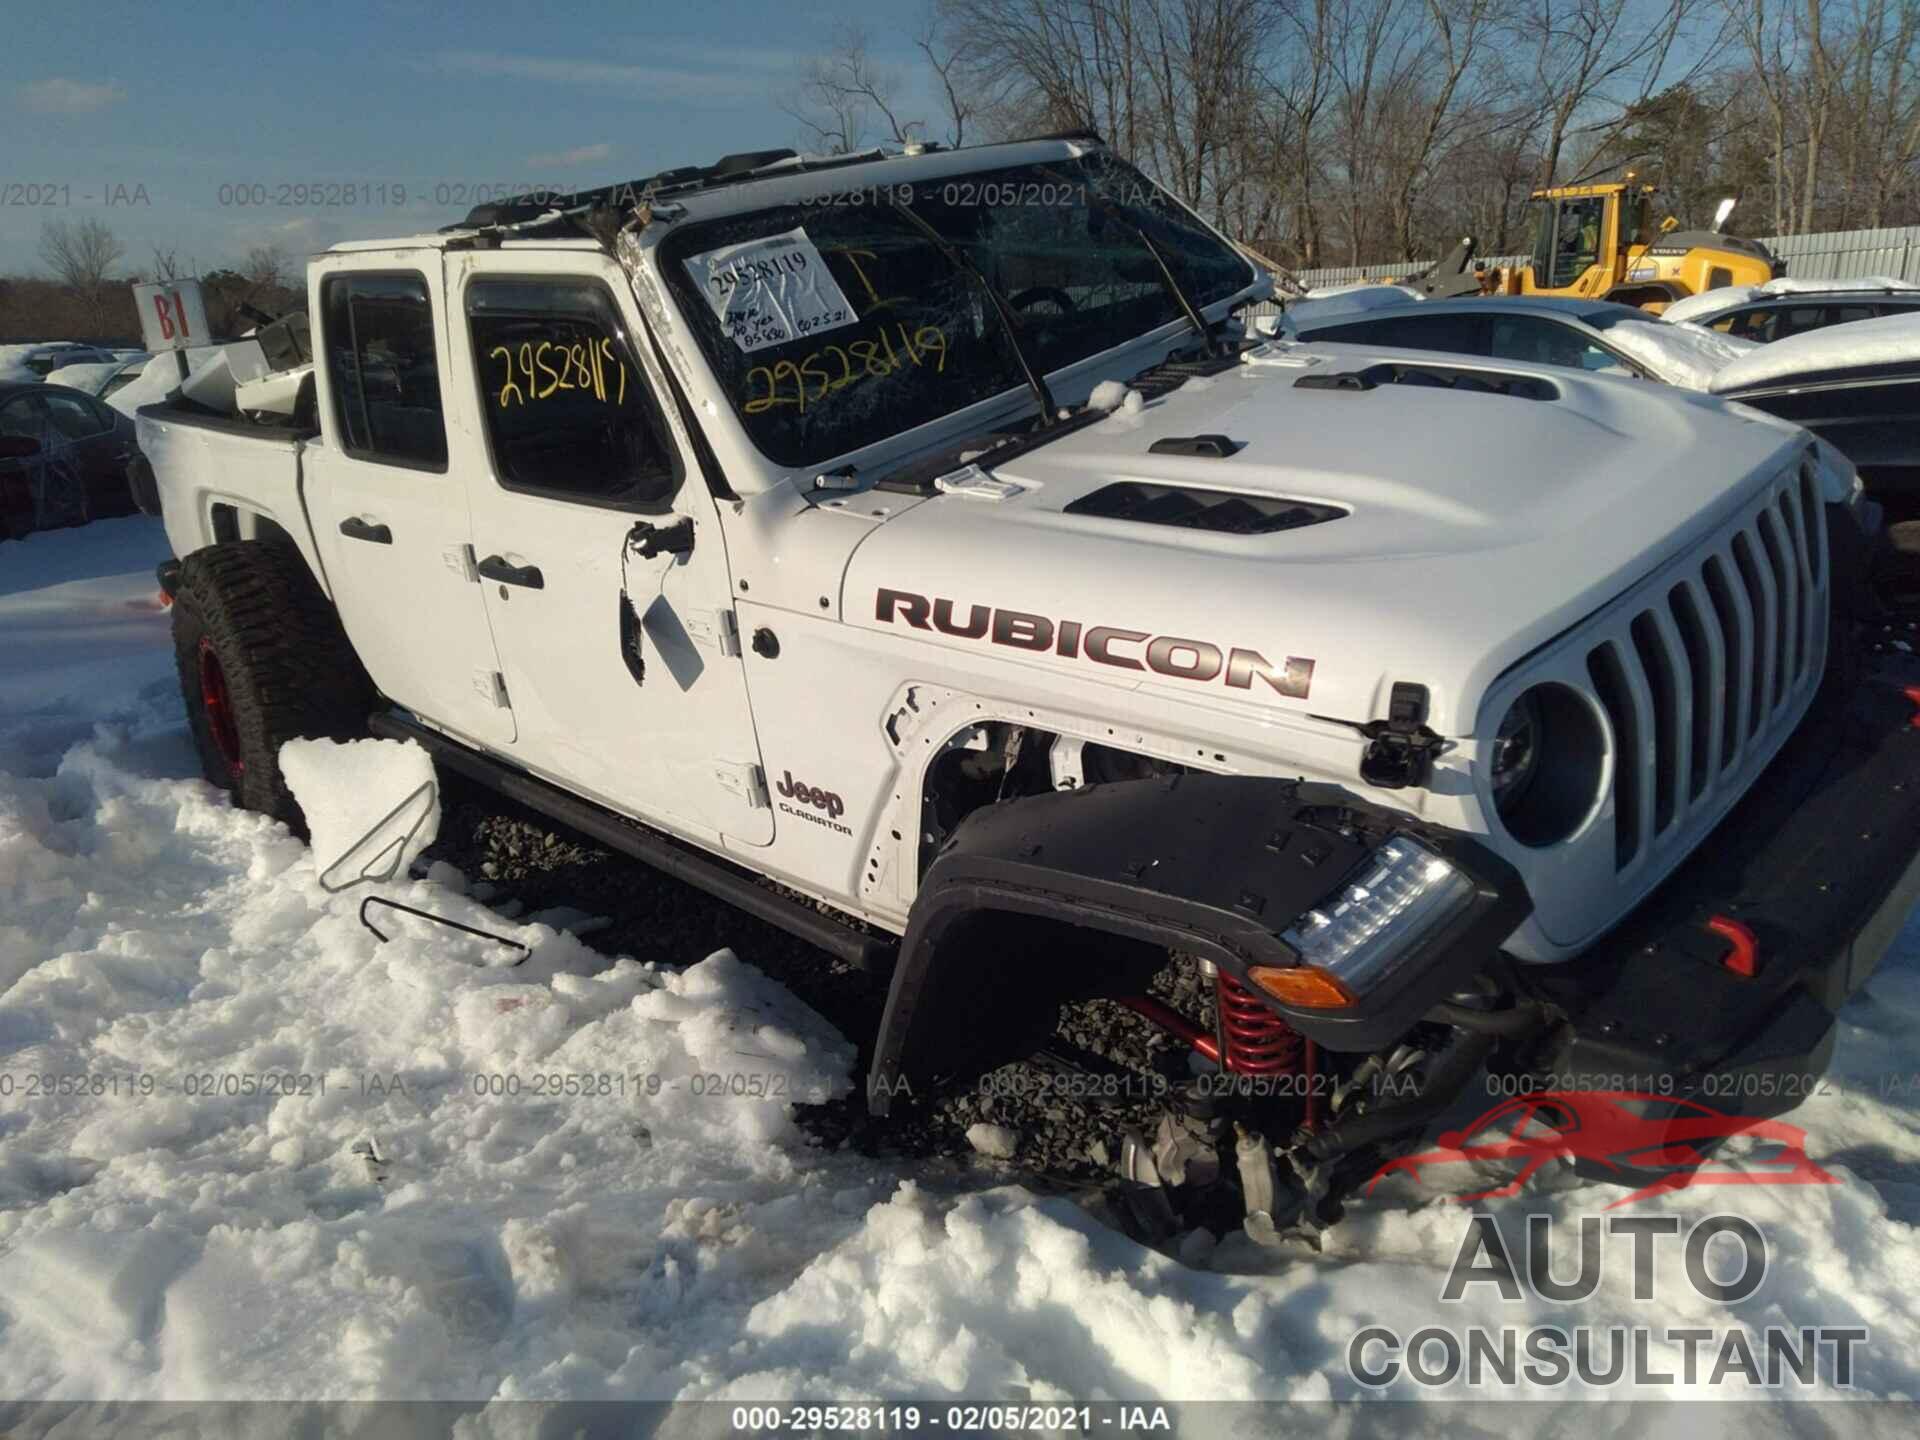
(1820, 863)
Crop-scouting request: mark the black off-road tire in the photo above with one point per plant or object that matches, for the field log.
(252, 611)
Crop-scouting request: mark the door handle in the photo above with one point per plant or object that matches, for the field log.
(495, 567)
(354, 528)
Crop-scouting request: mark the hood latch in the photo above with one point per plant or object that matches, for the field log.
(1400, 748)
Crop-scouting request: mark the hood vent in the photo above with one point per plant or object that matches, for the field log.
(1440, 377)
(1219, 511)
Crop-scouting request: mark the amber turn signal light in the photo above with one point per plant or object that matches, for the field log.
(1301, 985)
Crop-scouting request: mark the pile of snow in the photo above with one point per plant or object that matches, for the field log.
(281, 1159)
(358, 798)
(1687, 355)
(1708, 303)
(1336, 301)
(160, 377)
(1111, 395)
(1889, 340)
(88, 377)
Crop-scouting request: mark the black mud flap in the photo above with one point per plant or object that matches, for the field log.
(1065, 896)
(1722, 987)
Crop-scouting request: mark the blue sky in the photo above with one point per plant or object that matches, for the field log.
(150, 116)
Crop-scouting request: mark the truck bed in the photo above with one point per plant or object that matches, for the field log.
(221, 477)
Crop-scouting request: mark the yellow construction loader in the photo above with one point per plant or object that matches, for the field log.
(1600, 242)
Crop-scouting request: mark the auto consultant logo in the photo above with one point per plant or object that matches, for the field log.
(1723, 1259)
(1655, 1143)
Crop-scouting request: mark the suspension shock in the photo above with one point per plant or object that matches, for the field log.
(1253, 1040)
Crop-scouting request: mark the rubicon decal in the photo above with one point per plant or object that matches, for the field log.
(824, 807)
(1659, 1142)
(1170, 655)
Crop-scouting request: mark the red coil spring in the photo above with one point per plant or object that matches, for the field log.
(1254, 1040)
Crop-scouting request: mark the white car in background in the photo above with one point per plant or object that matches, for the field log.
(101, 378)
(1592, 335)
(1786, 307)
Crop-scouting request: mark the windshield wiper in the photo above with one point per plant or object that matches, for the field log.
(1049, 412)
(1118, 212)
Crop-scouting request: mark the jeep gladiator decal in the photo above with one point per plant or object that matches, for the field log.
(826, 807)
(1102, 644)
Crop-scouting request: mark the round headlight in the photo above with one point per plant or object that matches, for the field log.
(1516, 753)
(1545, 765)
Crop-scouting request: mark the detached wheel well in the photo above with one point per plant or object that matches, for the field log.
(995, 761)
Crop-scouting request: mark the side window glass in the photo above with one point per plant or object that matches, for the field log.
(1578, 245)
(384, 369)
(568, 412)
(21, 420)
(1527, 337)
(73, 417)
(1795, 321)
(1841, 314)
(1455, 334)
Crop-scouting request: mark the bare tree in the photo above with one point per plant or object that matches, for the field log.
(81, 253)
(838, 95)
(944, 63)
(168, 266)
(266, 267)
(1603, 56)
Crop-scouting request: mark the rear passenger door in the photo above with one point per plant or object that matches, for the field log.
(389, 514)
(624, 669)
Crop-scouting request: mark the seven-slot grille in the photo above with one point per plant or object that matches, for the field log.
(1704, 677)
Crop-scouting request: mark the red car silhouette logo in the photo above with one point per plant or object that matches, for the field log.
(1657, 1142)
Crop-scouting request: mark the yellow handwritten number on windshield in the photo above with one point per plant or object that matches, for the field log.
(833, 368)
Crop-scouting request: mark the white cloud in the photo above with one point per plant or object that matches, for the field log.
(578, 155)
(58, 95)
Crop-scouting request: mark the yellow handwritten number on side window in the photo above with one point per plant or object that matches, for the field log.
(551, 366)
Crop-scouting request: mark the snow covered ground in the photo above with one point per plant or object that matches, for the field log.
(248, 1151)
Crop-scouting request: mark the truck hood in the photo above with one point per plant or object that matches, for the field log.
(1473, 528)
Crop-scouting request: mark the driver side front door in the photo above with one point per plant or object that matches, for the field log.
(622, 667)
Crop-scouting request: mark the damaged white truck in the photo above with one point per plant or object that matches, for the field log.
(916, 551)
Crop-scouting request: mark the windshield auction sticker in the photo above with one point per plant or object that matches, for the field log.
(772, 290)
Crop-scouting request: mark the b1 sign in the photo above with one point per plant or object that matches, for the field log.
(173, 316)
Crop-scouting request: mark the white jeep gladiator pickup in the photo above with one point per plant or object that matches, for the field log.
(915, 550)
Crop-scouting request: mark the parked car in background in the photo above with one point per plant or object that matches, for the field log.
(1783, 308)
(1856, 386)
(45, 359)
(1592, 335)
(101, 378)
(63, 459)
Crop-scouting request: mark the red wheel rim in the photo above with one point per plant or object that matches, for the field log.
(219, 705)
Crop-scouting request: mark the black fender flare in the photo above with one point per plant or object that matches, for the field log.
(1215, 865)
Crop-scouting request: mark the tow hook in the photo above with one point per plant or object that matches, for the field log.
(1401, 748)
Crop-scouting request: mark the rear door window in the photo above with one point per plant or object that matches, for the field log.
(384, 369)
